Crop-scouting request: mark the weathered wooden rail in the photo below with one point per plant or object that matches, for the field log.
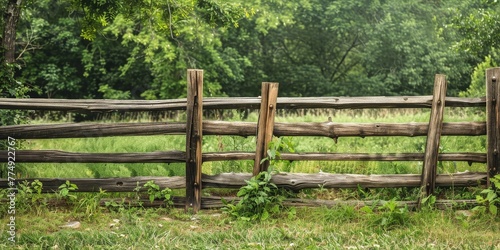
(327, 129)
(195, 128)
(235, 103)
(291, 181)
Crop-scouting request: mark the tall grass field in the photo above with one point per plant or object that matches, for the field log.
(300, 145)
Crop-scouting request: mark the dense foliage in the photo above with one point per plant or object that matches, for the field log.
(126, 49)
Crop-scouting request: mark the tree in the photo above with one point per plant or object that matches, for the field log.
(141, 49)
(405, 51)
(9, 86)
(342, 47)
(136, 49)
(477, 24)
(11, 18)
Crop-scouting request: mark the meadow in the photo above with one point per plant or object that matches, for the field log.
(310, 228)
(40, 221)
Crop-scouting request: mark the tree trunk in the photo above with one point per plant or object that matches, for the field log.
(11, 17)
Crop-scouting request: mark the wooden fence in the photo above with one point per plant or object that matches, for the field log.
(195, 127)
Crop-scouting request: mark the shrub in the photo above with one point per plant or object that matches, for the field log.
(260, 198)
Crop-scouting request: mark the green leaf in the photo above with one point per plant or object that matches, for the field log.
(486, 191)
(275, 209)
(241, 192)
(366, 209)
(480, 199)
(64, 192)
(265, 215)
(493, 209)
(271, 154)
(491, 196)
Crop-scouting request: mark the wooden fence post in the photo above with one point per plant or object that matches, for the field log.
(492, 121)
(265, 126)
(194, 136)
(429, 170)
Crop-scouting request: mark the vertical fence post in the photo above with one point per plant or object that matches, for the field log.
(429, 169)
(265, 126)
(492, 121)
(194, 138)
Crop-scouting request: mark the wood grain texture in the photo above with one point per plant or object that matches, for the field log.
(194, 137)
(265, 125)
(128, 184)
(429, 169)
(214, 202)
(300, 181)
(56, 156)
(326, 129)
(286, 180)
(493, 120)
(98, 105)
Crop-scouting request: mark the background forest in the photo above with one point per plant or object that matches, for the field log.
(141, 49)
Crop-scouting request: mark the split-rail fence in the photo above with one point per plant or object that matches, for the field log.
(195, 128)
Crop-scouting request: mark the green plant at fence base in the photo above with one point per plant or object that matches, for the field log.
(428, 202)
(28, 197)
(259, 199)
(154, 192)
(32, 190)
(66, 189)
(388, 215)
(90, 203)
(115, 206)
(488, 199)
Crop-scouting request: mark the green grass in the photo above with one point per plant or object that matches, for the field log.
(311, 228)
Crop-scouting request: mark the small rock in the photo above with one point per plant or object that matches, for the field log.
(72, 224)
(465, 213)
(116, 221)
(166, 219)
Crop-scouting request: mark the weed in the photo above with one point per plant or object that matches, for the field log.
(90, 204)
(276, 147)
(428, 202)
(488, 200)
(389, 215)
(338, 214)
(260, 198)
(155, 192)
(115, 206)
(66, 191)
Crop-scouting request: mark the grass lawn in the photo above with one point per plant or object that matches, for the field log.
(310, 228)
